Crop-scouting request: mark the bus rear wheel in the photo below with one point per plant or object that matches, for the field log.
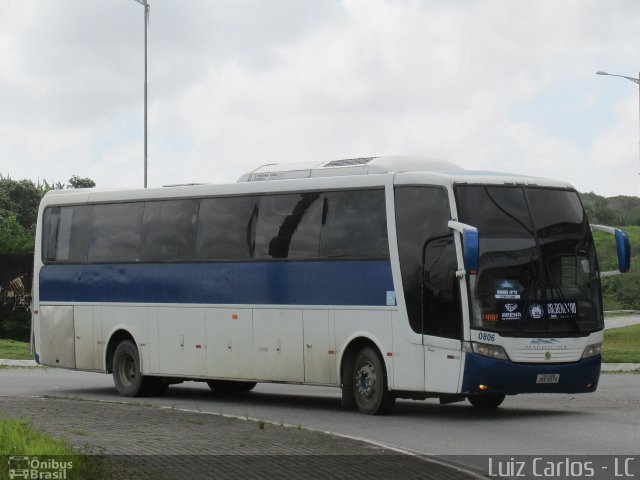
(126, 371)
(230, 386)
(486, 402)
(370, 384)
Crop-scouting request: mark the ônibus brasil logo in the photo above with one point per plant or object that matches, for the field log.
(35, 468)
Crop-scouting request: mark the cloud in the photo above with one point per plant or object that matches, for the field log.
(234, 84)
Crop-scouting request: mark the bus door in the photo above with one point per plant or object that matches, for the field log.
(431, 289)
(441, 314)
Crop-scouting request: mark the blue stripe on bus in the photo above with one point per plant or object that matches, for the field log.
(272, 283)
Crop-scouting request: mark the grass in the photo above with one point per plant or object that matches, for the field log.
(18, 439)
(622, 345)
(14, 350)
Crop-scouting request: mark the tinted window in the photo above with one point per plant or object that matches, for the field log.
(73, 233)
(422, 214)
(289, 226)
(354, 225)
(557, 213)
(49, 233)
(226, 228)
(116, 231)
(497, 212)
(305, 242)
(169, 230)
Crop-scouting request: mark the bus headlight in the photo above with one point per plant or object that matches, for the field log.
(488, 350)
(592, 350)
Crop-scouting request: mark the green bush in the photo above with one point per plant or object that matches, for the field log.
(15, 326)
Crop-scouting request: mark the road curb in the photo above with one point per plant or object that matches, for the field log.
(620, 367)
(18, 363)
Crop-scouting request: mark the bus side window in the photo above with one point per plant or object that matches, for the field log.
(50, 233)
(222, 228)
(73, 233)
(441, 302)
(288, 226)
(355, 225)
(169, 230)
(305, 242)
(116, 231)
(422, 214)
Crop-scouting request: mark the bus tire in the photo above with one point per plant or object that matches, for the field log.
(486, 402)
(159, 386)
(370, 384)
(348, 399)
(126, 371)
(230, 386)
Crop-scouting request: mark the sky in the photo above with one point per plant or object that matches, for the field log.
(503, 85)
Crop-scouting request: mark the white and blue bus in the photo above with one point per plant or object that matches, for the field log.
(390, 277)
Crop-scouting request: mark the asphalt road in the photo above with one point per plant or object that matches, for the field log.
(606, 422)
(616, 322)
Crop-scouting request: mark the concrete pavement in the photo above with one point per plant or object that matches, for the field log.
(168, 443)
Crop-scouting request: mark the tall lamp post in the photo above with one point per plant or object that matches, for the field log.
(636, 81)
(146, 23)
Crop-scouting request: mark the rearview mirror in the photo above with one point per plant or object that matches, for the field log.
(623, 247)
(470, 245)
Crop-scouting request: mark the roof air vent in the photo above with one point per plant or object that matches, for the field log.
(348, 162)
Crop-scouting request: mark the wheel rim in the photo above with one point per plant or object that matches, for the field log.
(366, 381)
(127, 370)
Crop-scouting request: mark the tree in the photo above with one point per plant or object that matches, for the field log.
(604, 214)
(14, 238)
(20, 199)
(77, 182)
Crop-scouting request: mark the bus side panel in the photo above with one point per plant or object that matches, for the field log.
(57, 347)
(84, 337)
(182, 341)
(319, 349)
(278, 353)
(408, 359)
(443, 360)
(229, 343)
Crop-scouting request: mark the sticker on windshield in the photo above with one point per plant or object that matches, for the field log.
(554, 310)
(536, 311)
(507, 290)
(562, 310)
(510, 311)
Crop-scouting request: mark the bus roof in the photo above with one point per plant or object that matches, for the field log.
(348, 166)
(408, 166)
(348, 173)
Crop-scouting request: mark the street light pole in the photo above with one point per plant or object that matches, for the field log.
(147, 7)
(636, 81)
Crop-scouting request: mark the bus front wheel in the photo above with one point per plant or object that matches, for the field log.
(126, 371)
(370, 383)
(487, 401)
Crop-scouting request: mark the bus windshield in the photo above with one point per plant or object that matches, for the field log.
(538, 272)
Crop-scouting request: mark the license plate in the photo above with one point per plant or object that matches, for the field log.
(548, 378)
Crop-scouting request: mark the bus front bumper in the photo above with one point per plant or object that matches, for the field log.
(483, 375)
